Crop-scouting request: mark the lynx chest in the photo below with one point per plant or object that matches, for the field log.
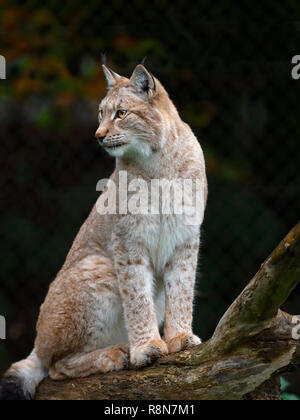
(161, 235)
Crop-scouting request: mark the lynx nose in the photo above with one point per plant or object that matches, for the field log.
(100, 136)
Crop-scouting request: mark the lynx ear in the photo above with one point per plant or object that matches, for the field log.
(111, 76)
(142, 80)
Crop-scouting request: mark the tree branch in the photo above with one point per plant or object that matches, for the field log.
(253, 310)
(251, 345)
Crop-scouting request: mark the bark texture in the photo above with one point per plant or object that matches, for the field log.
(251, 346)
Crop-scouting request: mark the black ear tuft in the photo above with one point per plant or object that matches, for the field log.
(12, 389)
(103, 58)
(143, 61)
(111, 76)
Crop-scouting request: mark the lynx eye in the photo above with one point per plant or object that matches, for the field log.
(100, 115)
(121, 114)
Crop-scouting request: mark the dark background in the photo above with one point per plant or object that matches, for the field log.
(227, 66)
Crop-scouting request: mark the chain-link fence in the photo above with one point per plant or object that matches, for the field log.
(227, 68)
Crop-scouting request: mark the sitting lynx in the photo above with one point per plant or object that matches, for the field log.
(126, 274)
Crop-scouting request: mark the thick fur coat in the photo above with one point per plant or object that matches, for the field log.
(127, 274)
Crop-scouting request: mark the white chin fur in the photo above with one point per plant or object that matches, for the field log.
(136, 148)
(118, 151)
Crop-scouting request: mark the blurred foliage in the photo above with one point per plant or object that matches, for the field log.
(285, 394)
(228, 71)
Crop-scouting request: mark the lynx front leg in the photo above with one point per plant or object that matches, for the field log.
(179, 287)
(136, 282)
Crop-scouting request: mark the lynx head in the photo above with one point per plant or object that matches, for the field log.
(131, 114)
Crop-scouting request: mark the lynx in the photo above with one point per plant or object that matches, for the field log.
(126, 275)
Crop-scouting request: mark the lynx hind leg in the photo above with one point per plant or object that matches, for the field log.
(110, 359)
(79, 321)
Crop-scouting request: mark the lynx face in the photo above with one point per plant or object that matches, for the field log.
(129, 116)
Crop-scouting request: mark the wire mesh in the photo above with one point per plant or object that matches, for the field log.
(227, 68)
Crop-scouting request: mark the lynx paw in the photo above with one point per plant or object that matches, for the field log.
(148, 353)
(182, 341)
(117, 358)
